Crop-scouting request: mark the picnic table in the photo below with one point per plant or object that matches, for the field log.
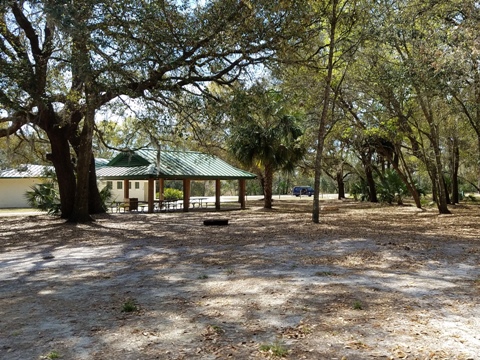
(128, 204)
(198, 202)
(165, 204)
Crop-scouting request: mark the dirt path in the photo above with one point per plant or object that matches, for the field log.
(369, 282)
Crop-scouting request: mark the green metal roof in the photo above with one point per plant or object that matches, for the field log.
(144, 164)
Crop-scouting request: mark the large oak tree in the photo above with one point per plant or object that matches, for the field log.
(62, 61)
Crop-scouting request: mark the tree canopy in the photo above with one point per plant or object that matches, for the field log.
(61, 62)
(392, 85)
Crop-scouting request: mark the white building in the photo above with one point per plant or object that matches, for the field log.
(14, 183)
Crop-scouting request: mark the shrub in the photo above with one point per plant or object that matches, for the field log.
(172, 194)
(105, 196)
(359, 190)
(44, 197)
(129, 306)
(391, 188)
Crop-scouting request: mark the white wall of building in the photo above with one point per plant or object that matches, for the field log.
(137, 189)
(12, 191)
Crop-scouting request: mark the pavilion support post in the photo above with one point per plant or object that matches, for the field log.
(126, 188)
(217, 194)
(151, 194)
(242, 193)
(186, 194)
(161, 187)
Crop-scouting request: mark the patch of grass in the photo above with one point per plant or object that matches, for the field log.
(357, 305)
(216, 329)
(275, 349)
(305, 329)
(51, 355)
(230, 272)
(202, 277)
(129, 306)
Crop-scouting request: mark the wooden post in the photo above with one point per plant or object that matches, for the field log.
(151, 194)
(186, 194)
(126, 189)
(242, 193)
(217, 194)
(161, 187)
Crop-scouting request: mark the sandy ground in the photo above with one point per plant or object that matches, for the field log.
(368, 282)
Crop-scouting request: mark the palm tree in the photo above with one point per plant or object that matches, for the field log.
(264, 135)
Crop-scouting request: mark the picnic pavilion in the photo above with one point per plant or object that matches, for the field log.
(153, 165)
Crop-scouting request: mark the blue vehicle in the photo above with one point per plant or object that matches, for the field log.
(302, 190)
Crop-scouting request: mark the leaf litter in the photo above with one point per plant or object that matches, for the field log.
(369, 281)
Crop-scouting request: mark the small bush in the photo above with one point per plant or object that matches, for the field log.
(172, 194)
(359, 190)
(391, 188)
(44, 197)
(105, 196)
(129, 306)
(357, 305)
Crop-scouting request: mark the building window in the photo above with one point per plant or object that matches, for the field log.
(137, 185)
(119, 185)
(110, 185)
(129, 185)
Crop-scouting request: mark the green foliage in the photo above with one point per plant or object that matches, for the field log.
(129, 306)
(357, 305)
(60, 67)
(44, 197)
(275, 349)
(359, 190)
(172, 194)
(391, 188)
(51, 355)
(106, 196)
(265, 132)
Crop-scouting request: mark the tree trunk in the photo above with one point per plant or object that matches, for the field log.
(64, 170)
(442, 203)
(95, 204)
(426, 105)
(372, 189)
(405, 176)
(447, 194)
(478, 163)
(268, 185)
(81, 211)
(408, 181)
(340, 184)
(323, 117)
(455, 167)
